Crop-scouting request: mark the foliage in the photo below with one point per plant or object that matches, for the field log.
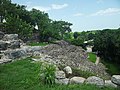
(107, 44)
(48, 73)
(76, 34)
(17, 25)
(23, 22)
(24, 75)
(112, 68)
(92, 57)
(38, 44)
(85, 74)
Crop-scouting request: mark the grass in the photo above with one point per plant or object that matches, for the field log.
(112, 68)
(92, 57)
(38, 44)
(85, 74)
(24, 75)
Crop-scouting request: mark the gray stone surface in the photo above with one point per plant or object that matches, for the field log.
(77, 80)
(110, 84)
(15, 54)
(14, 44)
(116, 79)
(62, 81)
(3, 45)
(1, 35)
(68, 70)
(60, 75)
(9, 37)
(95, 80)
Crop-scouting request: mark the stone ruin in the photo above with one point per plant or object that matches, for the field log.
(60, 53)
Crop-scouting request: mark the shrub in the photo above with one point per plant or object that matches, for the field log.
(48, 74)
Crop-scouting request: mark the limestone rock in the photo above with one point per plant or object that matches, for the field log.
(62, 81)
(5, 60)
(3, 45)
(15, 54)
(77, 80)
(10, 37)
(33, 48)
(60, 75)
(109, 83)
(116, 79)
(14, 44)
(1, 35)
(95, 80)
(68, 70)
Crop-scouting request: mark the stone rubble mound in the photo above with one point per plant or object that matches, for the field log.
(65, 54)
(60, 53)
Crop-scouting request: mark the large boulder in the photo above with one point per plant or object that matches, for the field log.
(77, 80)
(15, 54)
(60, 75)
(116, 79)
(62, 81)
(95, 80)
(3, 45)
(9, 37)
(110, 84)
(1, 35)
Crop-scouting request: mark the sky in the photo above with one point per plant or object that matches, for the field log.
(85, 15)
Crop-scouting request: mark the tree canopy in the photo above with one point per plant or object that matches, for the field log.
(23, 22)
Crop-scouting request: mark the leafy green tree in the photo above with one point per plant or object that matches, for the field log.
(76, 35)
(16, 25)
(107, 44)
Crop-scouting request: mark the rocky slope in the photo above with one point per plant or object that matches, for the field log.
(61, 53)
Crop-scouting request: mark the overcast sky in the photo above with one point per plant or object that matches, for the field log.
(84, 14)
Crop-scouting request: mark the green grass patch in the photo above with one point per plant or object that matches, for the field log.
(24, 75)
(38, 44)
(92, 57)
(112, 68)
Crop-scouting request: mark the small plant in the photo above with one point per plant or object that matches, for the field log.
(48, 74)
(85, 74)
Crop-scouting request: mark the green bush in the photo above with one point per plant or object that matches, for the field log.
(48, 74)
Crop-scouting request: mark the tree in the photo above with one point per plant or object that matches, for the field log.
(76, 35)
(18, 26)
(107, 44)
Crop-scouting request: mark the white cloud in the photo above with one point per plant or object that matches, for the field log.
(58, 6)
(47, 8)
(109, 11)
(78, 14)
(41, 8)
